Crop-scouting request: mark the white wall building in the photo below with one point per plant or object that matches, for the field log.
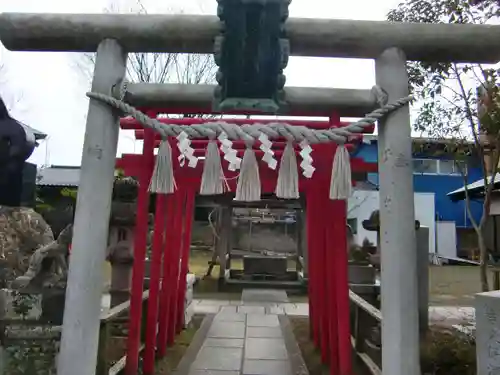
(364, 202)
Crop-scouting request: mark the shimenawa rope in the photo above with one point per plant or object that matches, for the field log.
(248, 186)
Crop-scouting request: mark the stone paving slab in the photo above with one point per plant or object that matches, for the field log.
(228, 330)
(228, 309)
(213, 372)
(252, 309)
(263, 295)
(230, 317)
(224, 343)
(218, 358)
(264, 332)
(261, 320)
(265, 348)
(265, 367)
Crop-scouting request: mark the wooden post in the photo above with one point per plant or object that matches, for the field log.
(185, 251)
(102, 355)
(337, 246)
(312, 236)
(173, 283)
(423, 279)
(224, 241)
(80, 332)
(400, 338)
(154, 284)
(140, 244)
(164, 312)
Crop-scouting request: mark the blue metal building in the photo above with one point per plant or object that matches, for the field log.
(434, 174)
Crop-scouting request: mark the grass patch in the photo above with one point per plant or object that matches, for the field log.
(454, 285)
(167, 365)
(448, 351)
(311, 355)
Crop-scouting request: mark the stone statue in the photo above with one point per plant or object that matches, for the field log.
(358, 254)
(22, 232)
(29, 255)
(48, 265)
(373, 225)
(32, 262)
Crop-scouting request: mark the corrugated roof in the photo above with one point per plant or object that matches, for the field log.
(39, 136)
(59, 176)
(474, 189)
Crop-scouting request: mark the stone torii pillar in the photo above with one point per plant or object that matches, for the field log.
(400, 338)
(80, 332)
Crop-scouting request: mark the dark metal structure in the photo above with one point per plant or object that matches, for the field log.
(251, 53)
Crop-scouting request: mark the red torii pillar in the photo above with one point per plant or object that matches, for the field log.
(328, 276)
(140, 244)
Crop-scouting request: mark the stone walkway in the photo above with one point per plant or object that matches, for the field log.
(208, 306)
(247, 339)
(462, 318)
(437, 314)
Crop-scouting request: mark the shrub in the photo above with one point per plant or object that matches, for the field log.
(448, 352)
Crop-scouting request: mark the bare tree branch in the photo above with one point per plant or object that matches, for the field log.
(158, 67)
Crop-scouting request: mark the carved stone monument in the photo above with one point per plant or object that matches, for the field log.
(488, 333)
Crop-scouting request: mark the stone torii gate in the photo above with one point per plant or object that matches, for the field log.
(112, 36)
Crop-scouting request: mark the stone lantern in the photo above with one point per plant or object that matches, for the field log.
(120, 252)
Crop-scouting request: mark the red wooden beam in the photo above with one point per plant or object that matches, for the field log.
(133, 164)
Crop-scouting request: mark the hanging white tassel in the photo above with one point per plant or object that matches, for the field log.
(186, 151)
(341, 184)
(288, 177)
(163, 181)
(230, 154)
(212, 180)
(307, 160)
(266, 146)
(248, 188)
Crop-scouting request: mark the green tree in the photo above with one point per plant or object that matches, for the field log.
(459, 102)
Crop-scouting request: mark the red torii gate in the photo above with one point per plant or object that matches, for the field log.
(326, 240)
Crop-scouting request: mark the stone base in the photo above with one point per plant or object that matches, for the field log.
(264, 265)
(53, 307)
(361, 274)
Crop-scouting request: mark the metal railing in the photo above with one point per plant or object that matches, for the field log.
(113, 325)
(366, 321)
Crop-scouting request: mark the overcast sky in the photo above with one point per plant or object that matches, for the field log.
(47, 90)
